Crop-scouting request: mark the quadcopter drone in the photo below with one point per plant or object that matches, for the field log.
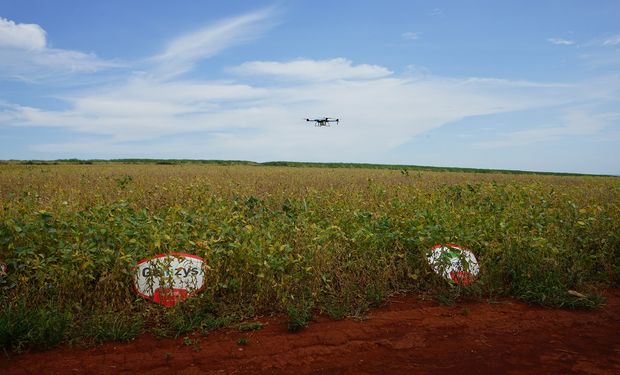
(324, 121)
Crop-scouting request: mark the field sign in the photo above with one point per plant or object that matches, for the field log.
(168, 279)
(456, 264)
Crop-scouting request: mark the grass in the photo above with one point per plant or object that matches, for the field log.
(402, 168)
(250, 326)
(23, 327)
(114, 326)
(285, 240)
(299, 316)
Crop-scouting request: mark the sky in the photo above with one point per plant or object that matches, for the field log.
(527, 85)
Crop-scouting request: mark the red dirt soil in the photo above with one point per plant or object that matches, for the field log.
(407, 336)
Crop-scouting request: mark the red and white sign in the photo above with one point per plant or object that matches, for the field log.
(455, 263)
(168, 279)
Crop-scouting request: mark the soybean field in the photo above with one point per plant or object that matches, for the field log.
(293, 240)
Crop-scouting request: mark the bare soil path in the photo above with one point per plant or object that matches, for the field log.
(407, 336)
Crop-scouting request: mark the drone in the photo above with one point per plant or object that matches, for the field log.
(324, 121)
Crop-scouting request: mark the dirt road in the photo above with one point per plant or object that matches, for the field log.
(407, 336)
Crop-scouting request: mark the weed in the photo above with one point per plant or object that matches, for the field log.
(23, 328)
(192, 315)
(250, 326)
(337, 311)
(444, 299)
(122, 182)
(160, 332)
(298, 316)
(375, 296)
(116, 326)
(193, 342)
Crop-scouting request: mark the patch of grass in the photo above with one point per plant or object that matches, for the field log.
(115, 326)
(211, 322)
(23, 328)
(445, 298)
(336, 310)
(250, 326)
(193, 342)
(194, 314)
(375, 296)
(299, 316)
(559, 297)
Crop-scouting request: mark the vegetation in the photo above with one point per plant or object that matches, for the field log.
(285, 240)
(404, 169)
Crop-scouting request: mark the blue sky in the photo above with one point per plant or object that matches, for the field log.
(532, 85)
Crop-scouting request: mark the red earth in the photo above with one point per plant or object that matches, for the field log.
(406, 336)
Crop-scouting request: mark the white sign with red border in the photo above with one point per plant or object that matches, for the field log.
(455, 263)
(168, 279)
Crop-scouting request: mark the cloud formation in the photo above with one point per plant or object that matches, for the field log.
(21, 35)
(612, 41)
(410, 35)
(572, 123)
(380, 111)
(26, 56)
(312, 70)
(182, 53)
(561, 42)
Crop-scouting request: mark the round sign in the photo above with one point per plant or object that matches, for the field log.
(455, 263)
(168, 279)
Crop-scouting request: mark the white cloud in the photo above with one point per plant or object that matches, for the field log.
(410, 35)
(26, 56)
(561, 42)
(21, 35)
(215, 119)
(312, 70)
(612, 41)
(182, 53)
(574, 123)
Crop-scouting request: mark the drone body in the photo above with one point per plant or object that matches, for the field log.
(324, 121)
